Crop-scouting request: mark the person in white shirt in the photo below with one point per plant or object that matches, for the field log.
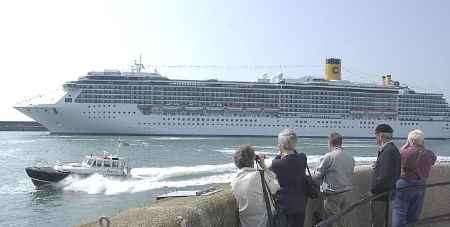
(247, 188)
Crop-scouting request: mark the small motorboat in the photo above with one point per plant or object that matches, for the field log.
(106, 165)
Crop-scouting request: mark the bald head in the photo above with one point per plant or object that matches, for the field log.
(335, 140)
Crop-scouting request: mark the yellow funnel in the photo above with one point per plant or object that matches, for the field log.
(333, 69)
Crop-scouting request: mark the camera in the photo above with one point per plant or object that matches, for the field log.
(260, 160)
(259, 157)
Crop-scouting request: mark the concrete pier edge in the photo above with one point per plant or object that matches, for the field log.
(220, 209)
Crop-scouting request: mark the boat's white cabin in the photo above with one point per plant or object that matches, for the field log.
(105, 162)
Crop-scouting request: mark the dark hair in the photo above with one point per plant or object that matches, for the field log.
(385, 128)
(335, 139)
(244, 156)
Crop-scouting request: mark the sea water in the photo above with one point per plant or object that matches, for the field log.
(160, 164)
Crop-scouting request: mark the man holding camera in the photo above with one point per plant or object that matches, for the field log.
(247, 187)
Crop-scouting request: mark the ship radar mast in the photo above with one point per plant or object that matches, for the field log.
(138, 67)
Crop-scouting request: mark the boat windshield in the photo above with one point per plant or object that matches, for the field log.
(101, 162)
(89, 162)
(115, 164)
(106, 163)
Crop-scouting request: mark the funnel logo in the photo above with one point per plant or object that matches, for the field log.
(335, 69)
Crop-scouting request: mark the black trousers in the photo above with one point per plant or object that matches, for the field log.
(295, 220)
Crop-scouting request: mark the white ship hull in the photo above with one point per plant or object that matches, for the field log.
(127, 119)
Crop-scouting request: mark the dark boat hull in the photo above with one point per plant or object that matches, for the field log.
(45, 176)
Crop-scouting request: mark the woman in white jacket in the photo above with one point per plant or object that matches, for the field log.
(247, 188)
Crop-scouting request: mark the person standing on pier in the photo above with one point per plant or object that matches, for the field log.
(289, 166)
(386, 172)
(416, 165)
(335, 172)
(247, 188)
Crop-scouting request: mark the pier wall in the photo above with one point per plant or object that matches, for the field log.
(21, 126)
(220, 209)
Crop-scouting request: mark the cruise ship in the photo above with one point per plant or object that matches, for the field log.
(146, 103)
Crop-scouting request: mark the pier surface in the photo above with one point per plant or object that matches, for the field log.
(21, 126)
(220, 208)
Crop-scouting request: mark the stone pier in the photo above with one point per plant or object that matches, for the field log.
(220, 209)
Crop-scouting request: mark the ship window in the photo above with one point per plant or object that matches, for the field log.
(99, 163)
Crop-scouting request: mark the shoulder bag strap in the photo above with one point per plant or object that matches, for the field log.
(307, 167)
(266, 198)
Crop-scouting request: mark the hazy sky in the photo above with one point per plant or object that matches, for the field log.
(45, 43)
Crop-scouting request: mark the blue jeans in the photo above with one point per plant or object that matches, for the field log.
(407, 202)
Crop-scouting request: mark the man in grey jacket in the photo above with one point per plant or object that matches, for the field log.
(335, 171)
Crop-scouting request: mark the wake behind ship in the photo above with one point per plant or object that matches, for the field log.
(143, 103)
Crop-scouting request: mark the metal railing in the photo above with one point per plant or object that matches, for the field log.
(427, 220)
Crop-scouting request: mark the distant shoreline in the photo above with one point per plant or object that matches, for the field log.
(21, 126)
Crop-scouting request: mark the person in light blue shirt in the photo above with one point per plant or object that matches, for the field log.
(335, 172)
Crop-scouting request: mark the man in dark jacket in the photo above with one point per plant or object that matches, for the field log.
(289, 166)
(385, 174)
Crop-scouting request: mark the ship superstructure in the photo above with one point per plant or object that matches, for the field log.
(136, 102)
